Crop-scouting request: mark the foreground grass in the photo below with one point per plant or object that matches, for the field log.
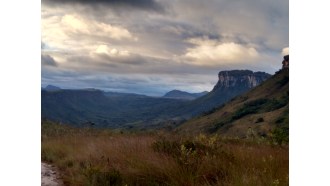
(103, 157)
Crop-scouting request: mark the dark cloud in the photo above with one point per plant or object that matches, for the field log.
(48, 60)
(149, 5)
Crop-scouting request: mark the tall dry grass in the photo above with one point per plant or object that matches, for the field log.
(103, 157)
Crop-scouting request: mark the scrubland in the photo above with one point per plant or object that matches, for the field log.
(87, 156)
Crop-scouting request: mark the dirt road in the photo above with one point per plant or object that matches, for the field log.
(48, 176)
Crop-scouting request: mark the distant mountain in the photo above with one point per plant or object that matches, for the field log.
(104, 109)
(124, 110)
(51, 88)
(259, 111)
(119, 94)
(178, 94)
(230, 84)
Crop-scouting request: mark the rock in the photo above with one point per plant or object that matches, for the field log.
(240, 78)
(285, 62)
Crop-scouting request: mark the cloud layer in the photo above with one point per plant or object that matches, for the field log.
(153, 46)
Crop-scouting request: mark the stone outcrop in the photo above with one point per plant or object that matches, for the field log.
(285, 62)
(245, 79)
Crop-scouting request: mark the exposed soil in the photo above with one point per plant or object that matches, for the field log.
(49, 177)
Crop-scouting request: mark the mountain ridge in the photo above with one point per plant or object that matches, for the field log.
(178, 94)
(122, 110)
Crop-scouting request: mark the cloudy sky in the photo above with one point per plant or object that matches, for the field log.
(154, 46)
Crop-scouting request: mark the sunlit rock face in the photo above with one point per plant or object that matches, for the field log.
(240, 79)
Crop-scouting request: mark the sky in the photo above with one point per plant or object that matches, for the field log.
(153, 46)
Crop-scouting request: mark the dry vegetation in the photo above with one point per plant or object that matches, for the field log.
(104, 157)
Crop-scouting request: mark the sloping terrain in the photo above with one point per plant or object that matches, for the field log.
(261, 111)
(230, 84)
(93, 107)
(178, 94)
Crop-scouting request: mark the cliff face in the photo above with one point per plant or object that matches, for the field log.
(230, 84)
(241, 79)
(285, 62)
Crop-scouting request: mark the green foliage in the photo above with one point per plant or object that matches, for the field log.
(283, 120)
(274, 104)
(280, 135)
(48, 155)
(214, 128)
(260, 105)
(283, 81)
(251, 107)
(212, 110)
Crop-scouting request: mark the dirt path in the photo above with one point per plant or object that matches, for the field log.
(48, 176)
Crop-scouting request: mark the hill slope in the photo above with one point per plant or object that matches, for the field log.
(259, 111)
(51, 88)
(94, 107)
(178, 94)
(230, 84)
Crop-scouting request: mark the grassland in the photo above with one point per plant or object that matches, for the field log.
(105, 157)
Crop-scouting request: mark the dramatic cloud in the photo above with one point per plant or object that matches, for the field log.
(213, 52)
(75, 32)
(152, 46)
(78, 25)
(138, 4)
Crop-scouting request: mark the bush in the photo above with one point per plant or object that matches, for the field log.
(259, 120)
(251, 107)
(281, 135)
(97, 177)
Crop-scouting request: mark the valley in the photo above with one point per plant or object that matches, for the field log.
(237, 134)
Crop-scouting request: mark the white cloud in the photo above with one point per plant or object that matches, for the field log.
(71, 32)
(77, 24)
(285, 51)
(104, 49)
(213, 52)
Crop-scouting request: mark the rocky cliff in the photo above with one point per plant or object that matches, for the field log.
(242, 79)
(285, 62)
(230, 84)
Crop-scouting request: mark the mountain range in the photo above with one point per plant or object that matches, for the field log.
(51, 88)
(178, 94)
(133, 111)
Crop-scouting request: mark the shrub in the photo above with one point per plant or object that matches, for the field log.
(280, 135)
(251, 107)
(97, 177)
(259, 120)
